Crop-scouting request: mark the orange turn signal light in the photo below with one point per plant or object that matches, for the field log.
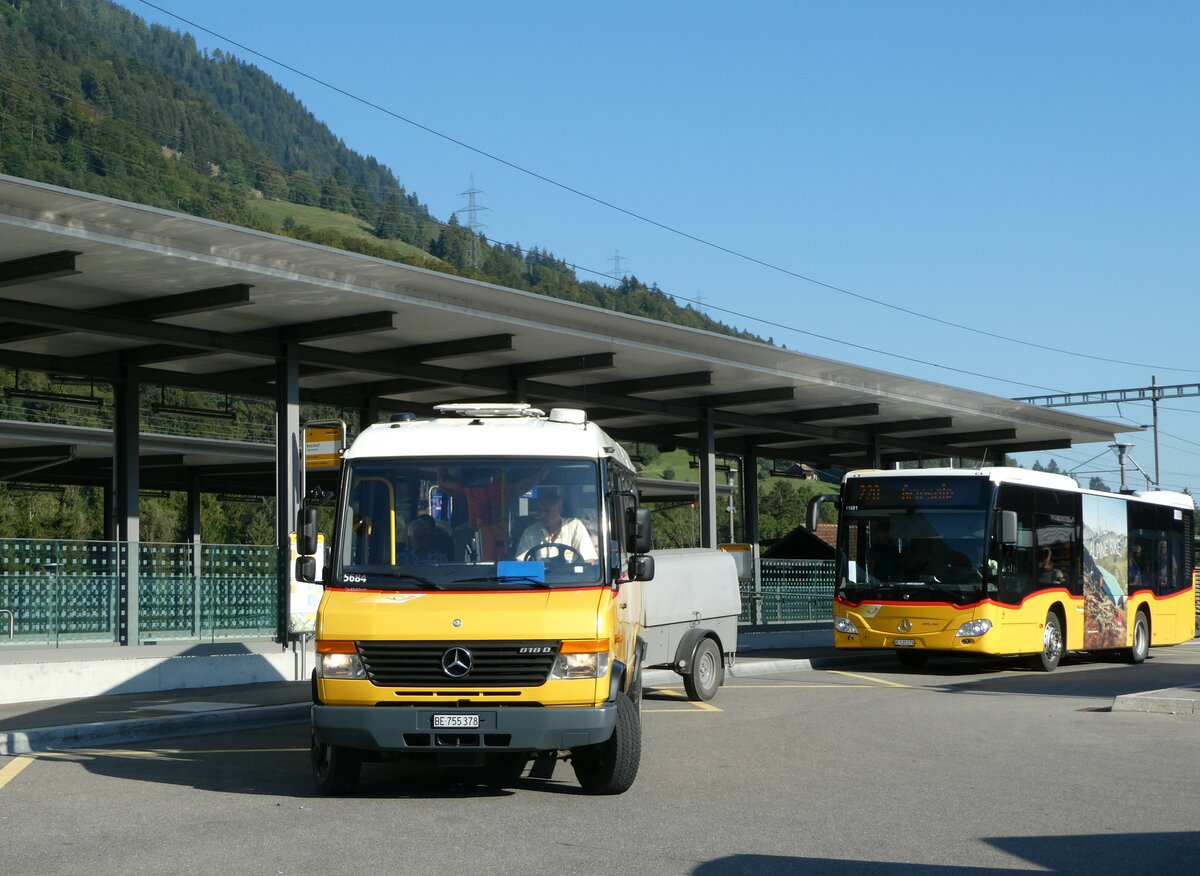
(585, 646)
(332, 646)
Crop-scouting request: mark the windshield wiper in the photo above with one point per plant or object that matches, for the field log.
(504, 579)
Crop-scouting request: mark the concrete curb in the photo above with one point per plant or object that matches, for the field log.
(142, 729)
(1172, 701)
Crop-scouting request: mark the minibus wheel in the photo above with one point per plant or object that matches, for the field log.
(335, 769)
(611, 766)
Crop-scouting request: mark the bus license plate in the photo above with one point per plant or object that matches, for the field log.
(904, 643)
(455, 721)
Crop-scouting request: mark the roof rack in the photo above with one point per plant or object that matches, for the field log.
(496, 409)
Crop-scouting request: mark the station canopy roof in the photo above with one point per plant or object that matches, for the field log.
(88, 282)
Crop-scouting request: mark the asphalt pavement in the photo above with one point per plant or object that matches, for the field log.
(125, 718)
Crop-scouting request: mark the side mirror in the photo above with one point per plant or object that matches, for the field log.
(306, 569)
(306, 532)
(641, 530)
(812, 515)
(1008, 527)
(641, 567)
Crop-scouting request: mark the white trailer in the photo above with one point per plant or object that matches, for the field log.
(691, 612)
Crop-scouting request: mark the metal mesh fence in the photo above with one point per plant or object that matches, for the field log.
(64, 592)
(789, 591)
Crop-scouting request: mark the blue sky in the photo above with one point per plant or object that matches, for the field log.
(1027, 169)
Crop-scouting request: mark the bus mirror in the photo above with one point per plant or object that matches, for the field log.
(813, 512)
(1008, 527)
(641, 530)
(306, 569)
(306, 532)
(641, 568)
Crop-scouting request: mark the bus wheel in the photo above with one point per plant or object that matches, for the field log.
(1141, 640)
(912, 659)
(1052, 646)
(335, 768)
(703, 679)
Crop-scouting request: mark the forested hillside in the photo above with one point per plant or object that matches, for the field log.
(94, 98)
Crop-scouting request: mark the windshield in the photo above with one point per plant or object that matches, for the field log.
(926, 548)
(446, 524)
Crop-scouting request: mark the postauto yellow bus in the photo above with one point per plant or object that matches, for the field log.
(1005, 561)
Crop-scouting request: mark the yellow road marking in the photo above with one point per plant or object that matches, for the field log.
(11, 770)
(703, 707)
(869, 678)
(781, 686)
(679, 712)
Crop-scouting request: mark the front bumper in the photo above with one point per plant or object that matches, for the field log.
(410, 728)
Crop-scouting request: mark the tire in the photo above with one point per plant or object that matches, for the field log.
(912, 659)
(1141, 640)
(611, 766)
(1051, 655)
(703, 679)
(335, 769)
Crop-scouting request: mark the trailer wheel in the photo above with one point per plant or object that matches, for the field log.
(705, 676)
(335, 769)
(611, 766)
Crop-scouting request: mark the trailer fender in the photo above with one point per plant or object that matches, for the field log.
(685, 653)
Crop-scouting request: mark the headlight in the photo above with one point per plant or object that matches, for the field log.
(340, 666)
(845, 625)
(593, 665)
(974, 629)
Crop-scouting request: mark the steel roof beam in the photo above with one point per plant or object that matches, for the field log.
(36, 453)
(867, 409)
(917, 425)
(47, 266)
(637, 385)
(198, 301)
(748, 397)
(451, 348)
(340, 327)
(139, 329)
(583, 362)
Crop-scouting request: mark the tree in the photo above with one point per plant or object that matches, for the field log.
(1096, 483)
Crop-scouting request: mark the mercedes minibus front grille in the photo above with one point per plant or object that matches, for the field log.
(443, 664)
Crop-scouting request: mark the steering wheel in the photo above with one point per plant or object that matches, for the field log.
(561, 559)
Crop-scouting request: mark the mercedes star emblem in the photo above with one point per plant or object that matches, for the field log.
(456, 662)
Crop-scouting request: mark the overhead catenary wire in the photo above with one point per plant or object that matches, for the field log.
(671, 229)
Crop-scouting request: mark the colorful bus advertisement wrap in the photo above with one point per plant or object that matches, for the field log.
(1105, 572)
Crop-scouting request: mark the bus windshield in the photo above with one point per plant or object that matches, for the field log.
(450, 524)
(927, 543)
